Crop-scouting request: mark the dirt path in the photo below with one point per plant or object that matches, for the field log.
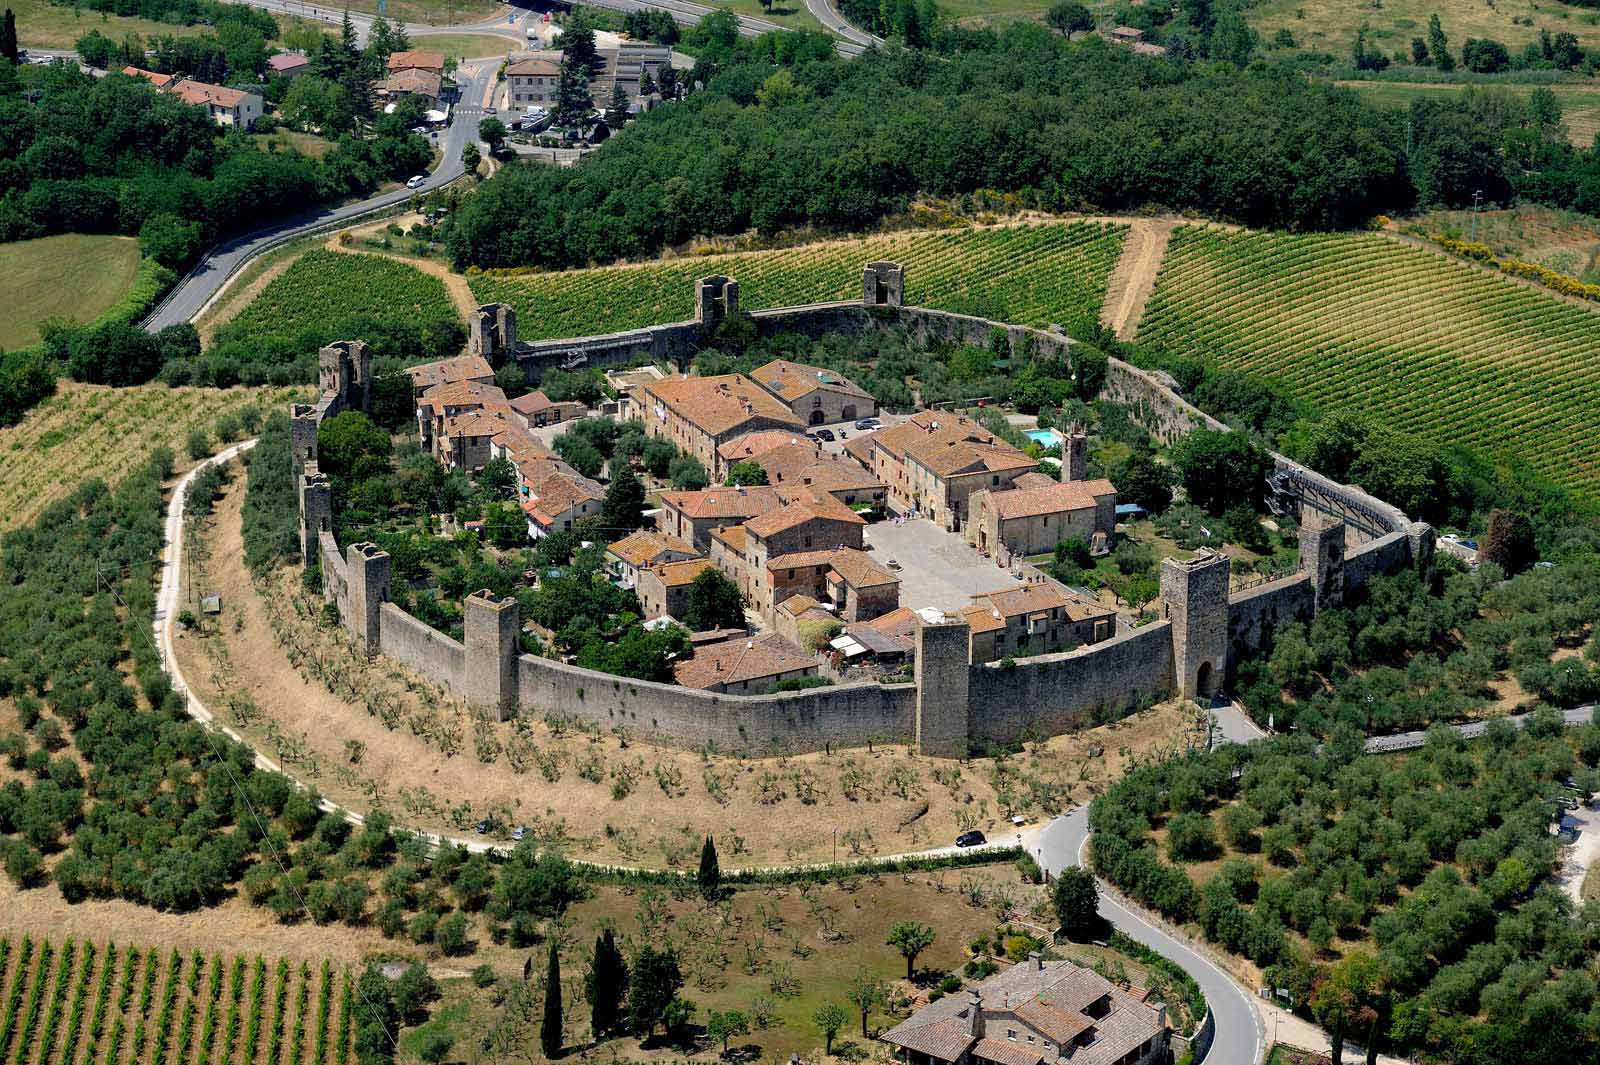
(456, 285)
(1134, 276)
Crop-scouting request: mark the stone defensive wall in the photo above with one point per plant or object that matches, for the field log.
(1203, 625)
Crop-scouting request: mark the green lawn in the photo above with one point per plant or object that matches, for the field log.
(467, 45)
(790, 13)
(1580, 104)
(976, 12)
(42, 24)
(74, 275)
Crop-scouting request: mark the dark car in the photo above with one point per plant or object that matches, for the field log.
(973, 838)
(823, 434)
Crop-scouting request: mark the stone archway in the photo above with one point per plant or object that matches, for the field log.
(848, 414)
(818, 417)
(1203, 680)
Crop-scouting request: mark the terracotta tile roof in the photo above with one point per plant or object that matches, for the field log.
(413, 80)
(1035, 479)
(480, 422)
(900, 625)
(802, 559)
(160, 81)
(1056, 498)
(449, 371)
(981, 619)
(945, 1039)
(523, 449)
(858, 570)
(948, 458)
(287, 61)
(807, 464)
(735, 661)
(414, 58)
(532, 403)
(739, 504)
(678, 574)
(200, 92)
(646, 547)
(461, 394)
(797, 606)
(715, 405)
(860, 448)
(735, 536)
(560, 493)
(790, 381)
(543, 65)
(1005, 1052)
(758, 443)
(799, 511)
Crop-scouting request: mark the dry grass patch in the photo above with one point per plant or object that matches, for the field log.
(370, 735)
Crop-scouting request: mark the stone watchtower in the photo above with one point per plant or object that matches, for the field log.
(344, 369)
(492, 332)
(715, 298)
(1194, 598)
(316, 511)
(1322, 543)
(944, 653)
(883, 285)
(1075, 454)
(303, 423)
(369, 590)
(490, 625)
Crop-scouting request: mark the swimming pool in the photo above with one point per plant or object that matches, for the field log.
(1045, 437)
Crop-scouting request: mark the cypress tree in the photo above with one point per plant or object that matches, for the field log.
(607, 985)
(550, 1029)
(8, 38)
(710, 877)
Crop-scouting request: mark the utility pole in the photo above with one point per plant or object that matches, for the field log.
(1476, 196)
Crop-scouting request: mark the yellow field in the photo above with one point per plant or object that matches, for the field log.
(90, 430)
(1331, 25)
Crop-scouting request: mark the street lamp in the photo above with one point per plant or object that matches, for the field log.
(1476, 197)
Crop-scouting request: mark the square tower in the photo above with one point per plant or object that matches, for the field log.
(715, 298)
(1075, 454)
(344, 368)
(883, 284)
(316, 510)
(368, 567)
(944, 694)
(1322, 543)
(1194, 598)
(490, 624)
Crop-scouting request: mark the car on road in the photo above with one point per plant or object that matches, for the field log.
(417, 182)
(972, 838)
(822, 434)
(869, 423)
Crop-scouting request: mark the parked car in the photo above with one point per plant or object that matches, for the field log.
(869, 423)
(822, 434)
(417, 182)
(518, 833)
(972, 838)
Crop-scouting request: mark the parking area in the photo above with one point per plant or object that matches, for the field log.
(845, 431)
(937, 568)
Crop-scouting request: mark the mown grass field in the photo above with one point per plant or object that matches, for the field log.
(1364, 323)
(42, 24)
(1580, 104)
(324, 286)
(1028, 274)
(72, 1001)
(92, 431)
(73, 275)
(467, 45)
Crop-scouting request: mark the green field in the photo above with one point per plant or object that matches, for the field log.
(1364, 323)
(329, 286)
(74, 276)
(1580, 104)
(1026, 274)
(1330, 25)
(94, 1002)
(467, 45)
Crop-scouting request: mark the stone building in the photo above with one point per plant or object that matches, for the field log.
(699, 414)
(816, 395)
(531, 82)
(664, 589)
(691, 516)
(641, 550)
(745, 666)
(1031, 520)
(931, 464)
(538, 410)
(805, 464)
(1036, 1013)
(1033, 620)
(846, 580)
(462, 368)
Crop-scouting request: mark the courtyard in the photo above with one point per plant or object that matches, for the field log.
(937, 568)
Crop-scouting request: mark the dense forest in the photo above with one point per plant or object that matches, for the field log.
(786, 134)
(1402, 901)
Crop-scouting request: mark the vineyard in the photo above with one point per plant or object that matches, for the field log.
(1026, 274)
(90, 431)
(84, 1003)
(326, 288)
(1364, 323)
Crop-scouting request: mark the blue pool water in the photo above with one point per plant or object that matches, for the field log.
(1045, 437)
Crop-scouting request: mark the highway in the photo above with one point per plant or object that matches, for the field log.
(1240, 1035)
(826, 13)
(195, 290)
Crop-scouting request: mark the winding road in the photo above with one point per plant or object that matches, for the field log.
(206, 279)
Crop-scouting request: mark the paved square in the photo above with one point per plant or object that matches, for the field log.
(937, 568)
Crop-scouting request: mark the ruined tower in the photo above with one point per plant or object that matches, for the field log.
(1322, 542)
(883, 285)
(715, 298)
(492, 332)
(316, 511)
(344, 370)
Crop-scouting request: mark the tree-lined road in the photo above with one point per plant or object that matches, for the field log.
(192, 293)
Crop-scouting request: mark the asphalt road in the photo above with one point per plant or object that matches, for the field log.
(201, 283)
(1405, 741)
(824, 12)
(1240, 1035)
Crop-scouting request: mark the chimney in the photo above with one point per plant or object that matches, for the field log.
(974, 1015)
(1035, 963)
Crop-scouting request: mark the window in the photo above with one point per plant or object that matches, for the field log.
(1011, 1033)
